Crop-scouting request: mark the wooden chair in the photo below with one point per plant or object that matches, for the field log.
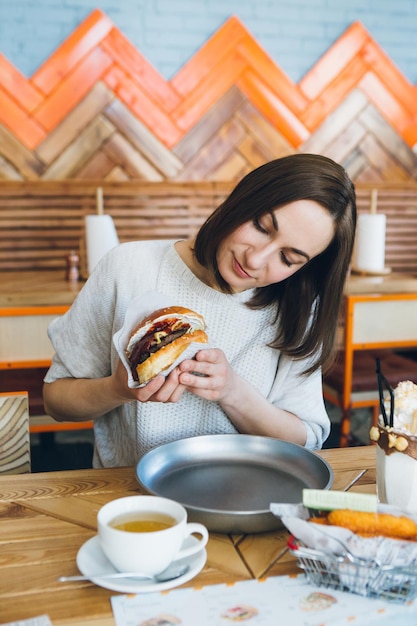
(375, 325)
(14, 433)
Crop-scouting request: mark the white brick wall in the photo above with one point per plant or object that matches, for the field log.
(295, 33)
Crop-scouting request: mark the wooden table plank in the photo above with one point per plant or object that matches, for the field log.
(342, 459)
(76, 509)
(222, 555)
(27, 552)
(260, 551)
(65, 483)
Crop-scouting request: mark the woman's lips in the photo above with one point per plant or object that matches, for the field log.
(239, 270)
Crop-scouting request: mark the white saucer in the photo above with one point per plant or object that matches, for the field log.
(91, 561)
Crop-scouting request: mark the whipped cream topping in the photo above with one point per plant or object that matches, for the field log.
(405, 407)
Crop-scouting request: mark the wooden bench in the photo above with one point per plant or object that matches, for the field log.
(42, 221)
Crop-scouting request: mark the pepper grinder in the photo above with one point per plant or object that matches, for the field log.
(73, 266)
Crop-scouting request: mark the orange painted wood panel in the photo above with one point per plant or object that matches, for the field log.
(410, 132)
(97, 52)
(26, 130)
(274, 109)
(210, 88)
(333, 95)
(80, 43)
(377, 92)
(17, 86)
(147, 110)
(221, 45)
(265, 68)
(72, 89)
(334, 61)
(380, 64)
(141, 72)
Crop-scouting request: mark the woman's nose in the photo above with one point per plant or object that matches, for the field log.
(258, 256)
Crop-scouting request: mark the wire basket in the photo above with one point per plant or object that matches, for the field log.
(366, 578)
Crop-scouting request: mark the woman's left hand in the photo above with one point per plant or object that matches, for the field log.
(209, 375)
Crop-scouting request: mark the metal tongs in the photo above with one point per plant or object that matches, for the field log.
(382, 382)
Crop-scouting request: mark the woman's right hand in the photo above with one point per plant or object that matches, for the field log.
(81, 399)
(159, 389)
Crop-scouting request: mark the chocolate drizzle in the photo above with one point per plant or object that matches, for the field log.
(389, 436)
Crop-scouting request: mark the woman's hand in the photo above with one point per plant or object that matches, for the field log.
(159, 389)
(119, 381)
(209, 375)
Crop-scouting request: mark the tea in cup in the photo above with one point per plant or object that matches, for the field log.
(145, 534)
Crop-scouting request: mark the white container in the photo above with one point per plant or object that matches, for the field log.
(100, 237)
(369, 250)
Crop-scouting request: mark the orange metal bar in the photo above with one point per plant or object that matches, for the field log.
(22, 365)
(60, 426)
(13, 393)
(33, 310)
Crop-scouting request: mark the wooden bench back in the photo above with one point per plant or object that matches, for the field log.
(42, 221)
(14, 433)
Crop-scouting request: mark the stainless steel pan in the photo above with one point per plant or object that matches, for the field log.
(227, 482)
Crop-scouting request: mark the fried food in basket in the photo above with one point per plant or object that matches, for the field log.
(372, 524)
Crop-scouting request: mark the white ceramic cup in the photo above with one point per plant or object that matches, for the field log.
(147, 552)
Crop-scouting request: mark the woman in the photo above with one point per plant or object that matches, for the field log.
(266, 271)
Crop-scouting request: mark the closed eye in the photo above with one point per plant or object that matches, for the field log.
(268, 231)
(258, 226)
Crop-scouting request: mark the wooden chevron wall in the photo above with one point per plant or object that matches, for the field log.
(97, 109)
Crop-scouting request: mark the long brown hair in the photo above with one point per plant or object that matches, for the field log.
(307, 302)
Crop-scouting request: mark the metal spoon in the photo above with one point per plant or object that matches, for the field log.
(165, 576)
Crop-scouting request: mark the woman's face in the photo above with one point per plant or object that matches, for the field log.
(275, 246)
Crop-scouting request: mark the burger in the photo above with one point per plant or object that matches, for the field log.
(161, 338)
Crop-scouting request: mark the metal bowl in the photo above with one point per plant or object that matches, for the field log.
(227, 482)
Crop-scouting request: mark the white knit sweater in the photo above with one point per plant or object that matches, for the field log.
(82, 340)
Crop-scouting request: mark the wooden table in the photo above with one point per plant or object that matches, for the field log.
(45, 518)
(388, 283)
(42, 288)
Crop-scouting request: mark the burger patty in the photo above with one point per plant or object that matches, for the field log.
(148, 345)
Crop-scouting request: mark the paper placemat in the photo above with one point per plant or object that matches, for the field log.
(276, 600)
(40, 620)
